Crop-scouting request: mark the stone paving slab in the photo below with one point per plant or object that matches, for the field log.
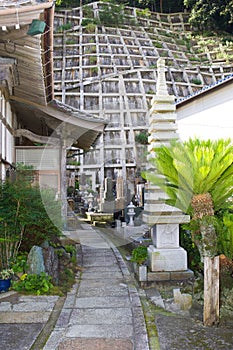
(100, 331)
(96, 344)
(98, 253)
(101, 283)
(102, 302)
(93, 275)
(33, 306)
(24, 317)
(111, 268)
(106, 261)
(103, 291)
(101, 316)
(19, 336)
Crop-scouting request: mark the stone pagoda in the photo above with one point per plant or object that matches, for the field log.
(165, 255)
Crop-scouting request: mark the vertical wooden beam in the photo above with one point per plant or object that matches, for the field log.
(211, 291)
(63, 182)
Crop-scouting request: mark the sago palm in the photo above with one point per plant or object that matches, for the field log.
(196, 175)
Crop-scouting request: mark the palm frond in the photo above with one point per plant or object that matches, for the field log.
(194, 167)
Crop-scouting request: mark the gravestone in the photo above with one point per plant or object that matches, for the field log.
(109, 200)
(50, 261)
(35, 261)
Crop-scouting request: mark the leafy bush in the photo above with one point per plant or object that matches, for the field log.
(186, 241)
(33, 284)
(24, 221)
(20, 264)
(139, 255)
(196, 81)
(142, 138)
(225, 234)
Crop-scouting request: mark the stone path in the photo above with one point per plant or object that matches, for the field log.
(103, 311)
(22, 319)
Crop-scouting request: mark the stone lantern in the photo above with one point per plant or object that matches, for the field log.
(131, 213)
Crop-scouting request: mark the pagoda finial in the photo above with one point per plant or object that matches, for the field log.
(161, 82)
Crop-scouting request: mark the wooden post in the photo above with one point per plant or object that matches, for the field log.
(211, 291)
(63, 182)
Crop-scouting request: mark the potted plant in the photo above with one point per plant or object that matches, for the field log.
(5, 279)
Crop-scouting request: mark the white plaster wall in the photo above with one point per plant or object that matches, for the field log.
(6, 137)
(207, 117)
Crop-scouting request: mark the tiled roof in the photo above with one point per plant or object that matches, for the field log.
(6, 4)
(206, 89)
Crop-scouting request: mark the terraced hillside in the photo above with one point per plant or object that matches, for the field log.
(111, 72)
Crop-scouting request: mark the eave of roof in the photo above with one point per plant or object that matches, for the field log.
(81, 128)
(205, 90)
(32, 53)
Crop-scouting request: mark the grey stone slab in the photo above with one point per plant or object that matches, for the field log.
(54, 339)
(39, 298)
(138, 313)
(101, 316)
(90, 250)
(111, 268)
(100, 331)
(100, 257)
(141, 342)
(136, 302)
(106, 290)
(33, 306)
(5, 306)
(24, 317)
(18, 336)
(96, 344)
(102, 302)
(101, 275)
(64, 318)
(99, 262)
(70, 301)
(100, 283)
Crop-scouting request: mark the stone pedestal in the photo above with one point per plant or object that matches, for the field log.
(167, 259)
(165, 254)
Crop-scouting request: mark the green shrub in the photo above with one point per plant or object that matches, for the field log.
(142, 138)
(139, 255)
(196, 81)
(20, 264)
(225, 235)
(64, 27)
(24, 221)
(194, 260)
(33, 284)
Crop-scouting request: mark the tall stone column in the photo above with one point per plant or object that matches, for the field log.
(165, 254)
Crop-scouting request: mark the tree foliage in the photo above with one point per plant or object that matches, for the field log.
(23, 218)
(205, 15)
(156, 6)
(214, 15)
